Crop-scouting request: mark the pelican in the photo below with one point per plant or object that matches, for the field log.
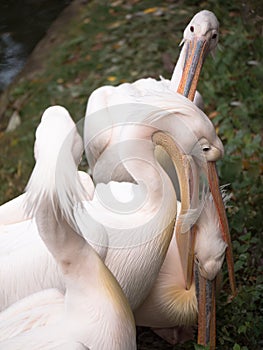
(200, 37)
(94, 313)
(169, 303)
(29, 259)
(147, 227)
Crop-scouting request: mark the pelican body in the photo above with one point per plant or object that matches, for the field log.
(153, 222)
(95, 313)
(147, 227)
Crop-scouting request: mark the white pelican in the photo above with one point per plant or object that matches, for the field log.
(138, 273)
(200, 37)
(169, 303)
(33, 268)
(148, 229)
(94, 314)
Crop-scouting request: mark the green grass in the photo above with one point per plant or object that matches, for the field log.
(110, 44)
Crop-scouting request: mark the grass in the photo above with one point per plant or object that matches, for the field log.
(113, 42)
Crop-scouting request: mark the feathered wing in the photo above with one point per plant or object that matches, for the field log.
(26, 266)
(37, 310)
(13, 211)
(169, 304)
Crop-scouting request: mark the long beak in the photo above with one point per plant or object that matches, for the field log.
(188, 177)
(206, 310)
(195, 55)
(183, 165)
(185, 235)
(196, 51)
(217, 197)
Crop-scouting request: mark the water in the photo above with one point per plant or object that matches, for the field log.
(22, 24)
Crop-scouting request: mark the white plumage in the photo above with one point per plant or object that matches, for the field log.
(131, 275)
(169, 303)
(153, 103)
(94, 313)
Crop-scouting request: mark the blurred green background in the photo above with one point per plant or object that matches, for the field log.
(110, 42)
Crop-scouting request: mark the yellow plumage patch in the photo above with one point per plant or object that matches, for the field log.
(179, 304)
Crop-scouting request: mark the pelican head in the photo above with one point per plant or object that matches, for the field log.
(57, 145)
(49, 141)
(208, 147)
(210, 246)
(212, 150)
(204, 25)
(199, 131)
(200, 37)
(189, 126)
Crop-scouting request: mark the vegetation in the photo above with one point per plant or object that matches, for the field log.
(118, 41)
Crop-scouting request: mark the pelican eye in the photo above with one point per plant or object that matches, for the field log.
(206, 148)
(192, 29)
(214, 36)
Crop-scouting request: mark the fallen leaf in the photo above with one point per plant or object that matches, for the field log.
(115, 25)
(60, 81)
(150, 10)
(86, 20)
(111, 78)
(213, 114)
(14, 122)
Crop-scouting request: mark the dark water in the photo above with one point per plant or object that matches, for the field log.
(22, 24)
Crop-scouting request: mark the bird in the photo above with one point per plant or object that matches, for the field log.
(207, 145)
(200, 37)
(93, 313)
(153, 104)
(170, 305)
(31, 265)
(133, 130)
